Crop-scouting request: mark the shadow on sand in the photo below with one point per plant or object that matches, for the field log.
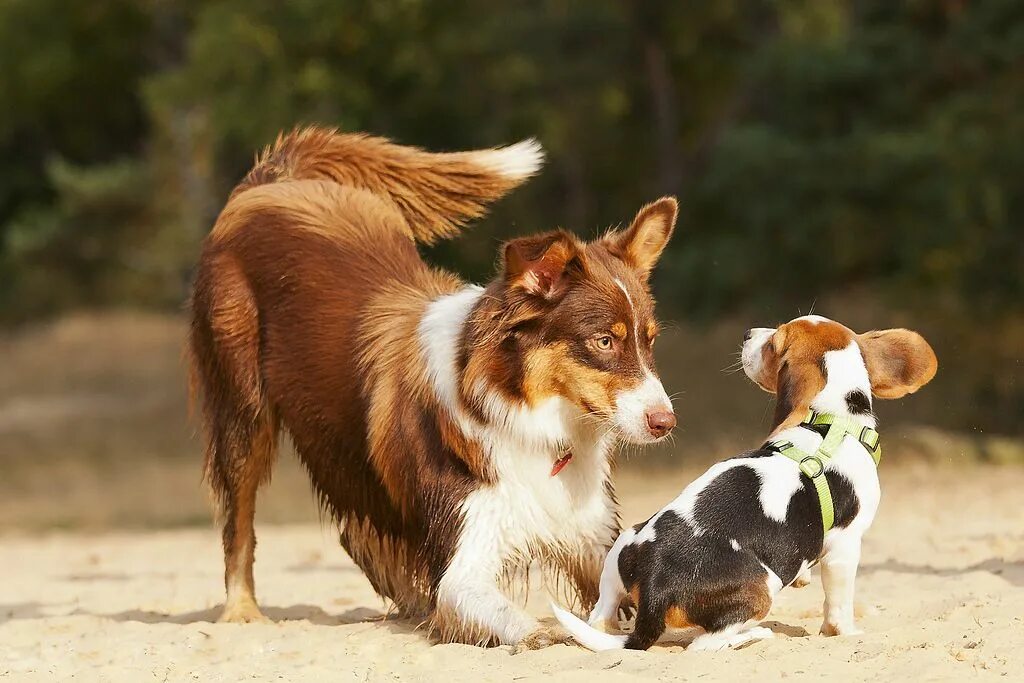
(310, 613)
(1012, 572)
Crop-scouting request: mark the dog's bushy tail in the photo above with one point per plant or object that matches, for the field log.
(436, 192)
(585, 634)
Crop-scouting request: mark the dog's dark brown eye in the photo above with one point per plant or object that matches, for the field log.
(604, 343)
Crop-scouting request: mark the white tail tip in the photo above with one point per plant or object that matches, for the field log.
(585, 634)
(516, 162)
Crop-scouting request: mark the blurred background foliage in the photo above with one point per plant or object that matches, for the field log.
(822, 149)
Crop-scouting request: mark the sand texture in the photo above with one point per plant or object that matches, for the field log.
(940, 597)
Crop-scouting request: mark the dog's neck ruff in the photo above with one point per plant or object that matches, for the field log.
(814, 464)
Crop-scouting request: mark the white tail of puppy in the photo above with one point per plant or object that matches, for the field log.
(585, 634)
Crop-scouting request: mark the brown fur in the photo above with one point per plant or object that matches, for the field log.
(436, 193)
(296, 277)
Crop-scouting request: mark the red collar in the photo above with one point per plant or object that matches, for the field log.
(561, 463)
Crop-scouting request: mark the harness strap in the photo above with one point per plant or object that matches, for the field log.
(814, 465)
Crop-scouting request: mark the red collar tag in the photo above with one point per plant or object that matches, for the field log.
(561, 463)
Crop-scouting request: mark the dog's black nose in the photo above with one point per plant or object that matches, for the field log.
(747, 335)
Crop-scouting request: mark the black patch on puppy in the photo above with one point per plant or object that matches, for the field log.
(730, 506)
(858, 402)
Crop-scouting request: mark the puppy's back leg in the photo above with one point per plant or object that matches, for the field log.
(241, 430)
(651, 612)
(605, 614)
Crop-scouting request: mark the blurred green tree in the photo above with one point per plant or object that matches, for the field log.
(818, 145)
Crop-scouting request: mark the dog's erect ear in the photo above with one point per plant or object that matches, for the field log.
(899, 361)
(540, 264)
(642, 242)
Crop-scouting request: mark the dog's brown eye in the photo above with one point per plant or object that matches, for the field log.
(604, 343)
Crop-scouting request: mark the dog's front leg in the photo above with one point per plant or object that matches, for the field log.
(471, 608)
(838, 574)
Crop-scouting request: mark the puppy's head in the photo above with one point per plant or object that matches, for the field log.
(814, 359)
(577, 321)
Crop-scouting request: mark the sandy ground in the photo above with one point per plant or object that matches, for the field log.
(940, 596)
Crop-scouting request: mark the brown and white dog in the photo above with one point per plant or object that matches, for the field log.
(715, 557)
(456, 433)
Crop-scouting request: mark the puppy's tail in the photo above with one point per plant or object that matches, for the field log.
(585, 634)
(437, 193)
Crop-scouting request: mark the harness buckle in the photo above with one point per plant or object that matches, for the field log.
(816, 460)
(872, 448)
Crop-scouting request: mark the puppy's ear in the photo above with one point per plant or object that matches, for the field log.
(541, 264)
(899, 361)
(642, 242)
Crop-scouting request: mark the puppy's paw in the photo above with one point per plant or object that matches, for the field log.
(541, 637)
(834, 629)
(626, 611)
(803, 579)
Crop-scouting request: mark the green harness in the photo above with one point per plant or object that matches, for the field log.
(813, 465)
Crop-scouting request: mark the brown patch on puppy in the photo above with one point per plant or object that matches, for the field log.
(793, 365)
(676, 617)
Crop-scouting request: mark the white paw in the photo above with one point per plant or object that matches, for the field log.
(835, 629)
(714, 642)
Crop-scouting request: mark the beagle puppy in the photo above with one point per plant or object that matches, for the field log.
(717, 555)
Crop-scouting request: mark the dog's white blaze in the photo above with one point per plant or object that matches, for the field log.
(527, 507)
(636, 324)
(632, 406)
(735, 544)
(521, 160)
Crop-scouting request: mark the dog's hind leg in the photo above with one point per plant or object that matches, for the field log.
(241, 429)
(604, 617)
(650, 622)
